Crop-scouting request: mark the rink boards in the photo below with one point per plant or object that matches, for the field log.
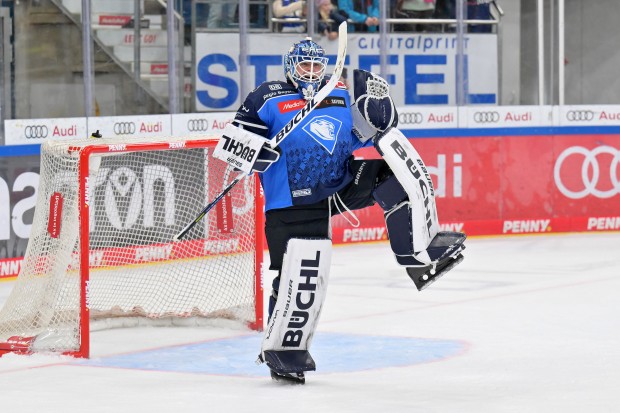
(491, 176)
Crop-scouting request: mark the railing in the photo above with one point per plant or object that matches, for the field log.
(391, 21)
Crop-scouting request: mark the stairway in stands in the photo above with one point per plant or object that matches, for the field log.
(112, 23)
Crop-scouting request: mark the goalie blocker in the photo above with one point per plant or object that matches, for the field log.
(246, 151)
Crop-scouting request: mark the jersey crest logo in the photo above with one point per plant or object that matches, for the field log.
(324, 130)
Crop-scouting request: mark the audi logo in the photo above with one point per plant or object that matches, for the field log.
(410, 118)
(579, 115)
(124, 128)
(35, 131)
(197, 125)
(590, 172)
(486, 117)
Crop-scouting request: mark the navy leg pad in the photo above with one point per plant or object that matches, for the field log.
(398, 224)
(389, 193)
(289, 361)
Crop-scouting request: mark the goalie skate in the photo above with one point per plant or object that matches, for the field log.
(288, 366)
(446, 252)
(288, 378)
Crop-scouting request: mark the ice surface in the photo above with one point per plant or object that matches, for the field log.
(524, 324)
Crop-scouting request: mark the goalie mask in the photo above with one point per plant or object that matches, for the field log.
(304, 67)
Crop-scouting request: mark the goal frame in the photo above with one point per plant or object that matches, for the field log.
(85, 153)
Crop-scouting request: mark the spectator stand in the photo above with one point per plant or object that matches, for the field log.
(444, 18)
(198, 12)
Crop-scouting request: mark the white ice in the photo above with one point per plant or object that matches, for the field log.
(524, 324)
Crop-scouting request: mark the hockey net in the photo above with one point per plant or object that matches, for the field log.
(101, 244)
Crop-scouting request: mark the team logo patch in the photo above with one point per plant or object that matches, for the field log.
(324, 129)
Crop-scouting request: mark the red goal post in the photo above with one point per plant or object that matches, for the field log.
(102, 248)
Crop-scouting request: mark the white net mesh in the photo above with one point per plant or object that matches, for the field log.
(137, 202)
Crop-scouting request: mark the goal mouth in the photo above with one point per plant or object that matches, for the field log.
(102, 244)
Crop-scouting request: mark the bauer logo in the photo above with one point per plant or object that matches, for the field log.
(55, 215)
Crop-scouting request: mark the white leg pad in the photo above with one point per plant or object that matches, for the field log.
(412, 174)
(303, 285)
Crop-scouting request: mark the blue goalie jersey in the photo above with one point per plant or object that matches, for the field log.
(314, 159)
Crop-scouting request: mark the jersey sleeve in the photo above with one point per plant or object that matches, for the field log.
(247, 116)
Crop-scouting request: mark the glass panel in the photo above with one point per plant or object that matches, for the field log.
(215, 27)
(48, 62)
(6, 66)
(421, 52)
(49, 78)
(592, 60)
(131, 61)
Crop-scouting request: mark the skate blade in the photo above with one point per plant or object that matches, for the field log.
(286, 378)
(423, 281)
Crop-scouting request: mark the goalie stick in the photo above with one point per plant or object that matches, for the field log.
(289, 127)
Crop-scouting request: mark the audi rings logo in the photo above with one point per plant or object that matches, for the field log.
(124, 128)
(197, 125)
(410, 118)
(35, 131)
(579, 115)
(594, 164)
(486, 117)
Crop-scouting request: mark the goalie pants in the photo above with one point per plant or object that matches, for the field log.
(313, 220)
